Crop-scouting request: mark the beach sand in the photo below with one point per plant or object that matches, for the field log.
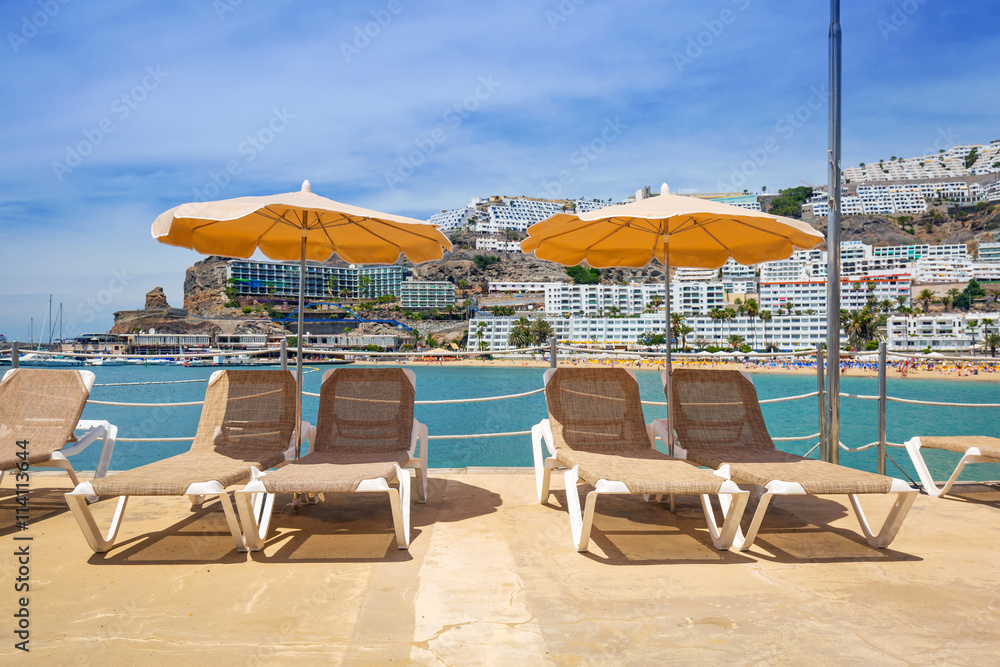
(948, 371)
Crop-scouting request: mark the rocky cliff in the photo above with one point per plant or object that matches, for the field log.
(204, 288)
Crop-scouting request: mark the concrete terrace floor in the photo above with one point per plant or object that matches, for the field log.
(492, 578)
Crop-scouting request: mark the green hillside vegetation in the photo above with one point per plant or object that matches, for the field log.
(790, 202)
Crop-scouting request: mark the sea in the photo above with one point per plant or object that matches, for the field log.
(859, 418)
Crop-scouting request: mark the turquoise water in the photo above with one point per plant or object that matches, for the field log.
(858, 424)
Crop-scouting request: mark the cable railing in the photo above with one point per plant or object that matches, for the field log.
(574, 352)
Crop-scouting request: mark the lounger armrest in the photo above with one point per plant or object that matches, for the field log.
(419, 432)
(659, 429)
(95, 429)
(307, 433)
(543, 431)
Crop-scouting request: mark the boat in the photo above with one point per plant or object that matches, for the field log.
(99, 361)
(33, 360)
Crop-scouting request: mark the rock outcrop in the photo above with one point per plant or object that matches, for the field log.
(155, 298)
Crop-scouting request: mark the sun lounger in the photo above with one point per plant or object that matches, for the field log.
(596, 430)
(364, 437)
(719, 425)
(973, 448)
(247, 425)
(42, 408)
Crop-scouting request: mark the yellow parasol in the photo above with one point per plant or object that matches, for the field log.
(298, 226)
(675, 230)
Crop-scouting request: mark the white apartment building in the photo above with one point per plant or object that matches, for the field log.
(594, 300)
(988, 252)
(517, 213)
(732, 270)
(686, 274)
(806, 295)
(498, 245)
(945, 333)
(426, 294)
(448, 221)
(933, 270)
(914, 252)
(794, 332)
(519, 289)
(945, 164)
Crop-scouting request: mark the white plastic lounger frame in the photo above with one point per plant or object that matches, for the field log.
(197, 493)
(732, 499)
(256, 505)
(905, 495)
(95, 429)
(971, 455)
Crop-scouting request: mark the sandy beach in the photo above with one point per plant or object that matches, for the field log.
(965, 371)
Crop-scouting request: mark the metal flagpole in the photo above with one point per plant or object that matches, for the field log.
(833, 245)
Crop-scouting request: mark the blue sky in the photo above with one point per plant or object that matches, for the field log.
(116, 111)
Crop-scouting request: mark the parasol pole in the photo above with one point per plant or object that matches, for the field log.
(298, 357)
(832, 453)
(666, 361)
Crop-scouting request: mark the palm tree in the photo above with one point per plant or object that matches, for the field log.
(901, 303)
(736, 341)
(480, 328)
(945, 302)
(520, 334)
(752, 309)
(684, 330)
(993, 342)
(676, 320)
(541, 330)
(716, 315)
(953, 293)
(926, 297)
(765, 317)
(861, 327)
(972, 325)
(730, 316)
(885, 305)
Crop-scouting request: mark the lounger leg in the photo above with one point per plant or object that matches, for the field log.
(255, 506)
(77, 501)
(733, 501)
(758, 518)
(580, 523)
(421, 484)
(196, 501)
(234, 525)
(904, 500)
(399, 501)
(913, 446)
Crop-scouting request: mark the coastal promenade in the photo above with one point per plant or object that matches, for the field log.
(491, 578)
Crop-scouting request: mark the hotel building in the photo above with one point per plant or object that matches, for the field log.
(275, 281)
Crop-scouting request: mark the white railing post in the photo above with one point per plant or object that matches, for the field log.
(553, 361)
(15, 357)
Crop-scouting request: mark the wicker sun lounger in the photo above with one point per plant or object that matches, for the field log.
(41, 409)
(364, 437)
(596, 430)
(719, 425)
(973, 448)
(247, 425)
